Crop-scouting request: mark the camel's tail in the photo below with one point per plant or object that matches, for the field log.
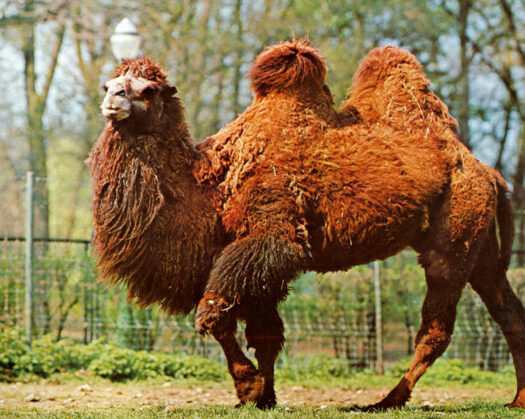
(287, 65)
(390, 84)
(505, 219)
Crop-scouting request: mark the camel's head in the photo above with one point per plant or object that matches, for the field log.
(137, 94)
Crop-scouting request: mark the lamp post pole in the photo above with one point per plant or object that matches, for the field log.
(378, 319)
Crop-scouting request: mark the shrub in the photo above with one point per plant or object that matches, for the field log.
(323, 365)
(115, 364)
(12, 349)
(186, 366)
(48, 357)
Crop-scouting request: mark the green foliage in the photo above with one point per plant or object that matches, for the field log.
(185, 366)
(138, 328)
(328, 366)
(48, 357)
(455, 371)
(116, 364)
(325, 370)
(12, 348)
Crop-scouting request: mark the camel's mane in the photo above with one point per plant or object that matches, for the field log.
(135, 176)
(143, 67)
(122, 176)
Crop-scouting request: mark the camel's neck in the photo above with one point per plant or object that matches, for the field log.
(136, 174)
(152, 220)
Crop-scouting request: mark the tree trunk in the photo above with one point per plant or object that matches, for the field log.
(36, 106)
(518, 196)
(463, 108)
(237, 76)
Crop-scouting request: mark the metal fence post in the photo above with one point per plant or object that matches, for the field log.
(29, 257)
(379, 319)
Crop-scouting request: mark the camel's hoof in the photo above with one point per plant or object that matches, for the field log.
(515, 405)
(383, 405)
(250, 387)
(377, 407)
(210, 313)
(266, 403)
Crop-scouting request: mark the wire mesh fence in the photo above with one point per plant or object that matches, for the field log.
(329, 314)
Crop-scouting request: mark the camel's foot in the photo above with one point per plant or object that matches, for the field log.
(213, 314)
(397, 398)
(515, 405)
(383, 405)
(248, 384)
(250, 388)
(519, 400)
(266, 402)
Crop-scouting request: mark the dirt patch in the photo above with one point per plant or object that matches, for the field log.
(63, 397)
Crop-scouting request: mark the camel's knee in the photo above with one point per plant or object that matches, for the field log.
(434, 340)
(214, 315)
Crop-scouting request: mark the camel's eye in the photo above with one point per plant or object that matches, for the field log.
(121, 93)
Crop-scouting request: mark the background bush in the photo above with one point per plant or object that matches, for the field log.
(106, 360)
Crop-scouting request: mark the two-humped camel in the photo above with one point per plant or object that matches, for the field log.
(291, 185)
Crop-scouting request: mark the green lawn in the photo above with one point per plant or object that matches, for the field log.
(474, 409)
(321, 388)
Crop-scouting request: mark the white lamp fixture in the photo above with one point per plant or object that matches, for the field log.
(125, 41)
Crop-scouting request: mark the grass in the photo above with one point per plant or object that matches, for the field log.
(474, 409)
(321, 389)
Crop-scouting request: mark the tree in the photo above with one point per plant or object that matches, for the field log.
(27, 20)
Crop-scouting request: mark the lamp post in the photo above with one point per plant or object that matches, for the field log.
(125, 41)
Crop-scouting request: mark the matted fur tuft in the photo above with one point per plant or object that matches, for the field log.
(285, 65)
(143, 67)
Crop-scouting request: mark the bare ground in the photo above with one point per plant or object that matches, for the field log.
(49, 397)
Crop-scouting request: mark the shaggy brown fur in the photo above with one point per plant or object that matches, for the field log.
(304, 186)
(156, 229)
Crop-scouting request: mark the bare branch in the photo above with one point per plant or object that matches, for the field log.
(512, 27)
(54, 61)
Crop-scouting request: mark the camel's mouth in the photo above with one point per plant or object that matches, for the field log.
(115, 114)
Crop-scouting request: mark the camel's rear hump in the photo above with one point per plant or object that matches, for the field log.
(390, 85)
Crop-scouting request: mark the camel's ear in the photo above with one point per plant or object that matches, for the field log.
(169, 90)
(149, 89)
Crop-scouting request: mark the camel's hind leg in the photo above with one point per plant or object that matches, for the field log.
(437, 324)
(490, 282)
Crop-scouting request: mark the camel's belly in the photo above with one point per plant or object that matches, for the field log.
(353, 245)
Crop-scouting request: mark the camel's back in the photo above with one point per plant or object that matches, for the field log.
(347, 179)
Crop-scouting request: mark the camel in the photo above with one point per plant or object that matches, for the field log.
(292, 185)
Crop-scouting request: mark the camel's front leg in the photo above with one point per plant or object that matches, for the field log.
(215, 316)
(248, 280)
(264, 332)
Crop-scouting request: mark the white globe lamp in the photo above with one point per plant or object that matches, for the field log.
(125, 41)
